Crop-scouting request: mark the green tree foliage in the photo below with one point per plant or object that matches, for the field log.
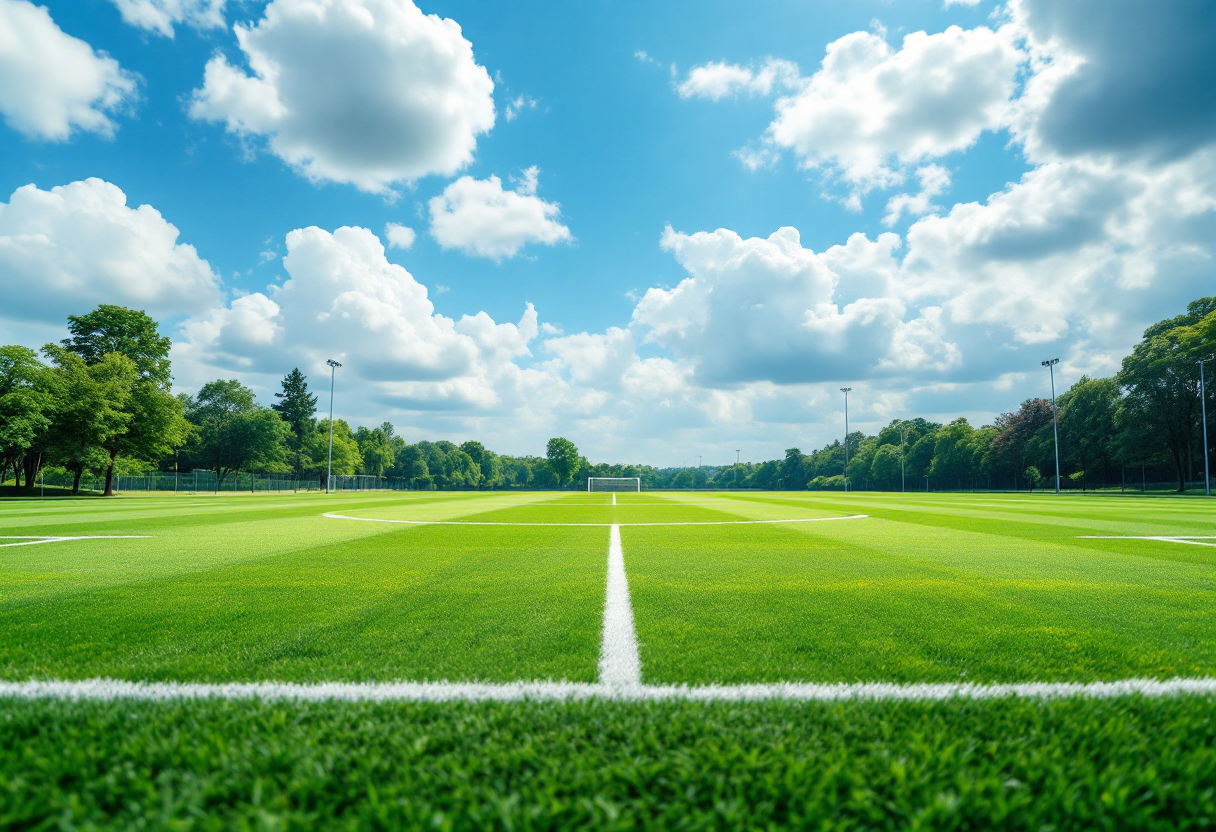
(93, 410)
(298, 408)
(156, 423)
(116, 329)
(1087, 425)
(884, 470)
(27, 402)
(563, 458)
(233, 432)
(346, 460)
(1160, 384)
(376, 448)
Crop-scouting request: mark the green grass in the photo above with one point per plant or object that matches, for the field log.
(266, 591)
(1072, 764)
(960, 588)
(929, 588)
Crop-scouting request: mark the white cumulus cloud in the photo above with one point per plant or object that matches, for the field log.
(366, 92)
(52, 83)
(344, 300)
(65, 250)
(934, 181)
(481, 218)
(870, 109)
(399, 236)
(160, 16)
(718, 80)
(762, 309)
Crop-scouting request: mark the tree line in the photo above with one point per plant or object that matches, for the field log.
(100, 402)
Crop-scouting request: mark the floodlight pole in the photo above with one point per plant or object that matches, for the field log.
(1203, 410)
(736, 467)
(846, 391)
(329, 468)
(1050, 364)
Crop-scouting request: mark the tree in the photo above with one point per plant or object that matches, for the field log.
(954, 453)
(156, 425)
(919, 457)
(1087, 425)
(411, 462)
(347, 459)
(297, 407)
(884, 470)
(563, 459)
(234, 432)
(1012, 449)
(125, 331)
(376, 448)
(792, 472)
(1033, 477)
(1160, 382)
(93, 410)
(27, 401)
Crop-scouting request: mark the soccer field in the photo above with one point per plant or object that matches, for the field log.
(847, 656)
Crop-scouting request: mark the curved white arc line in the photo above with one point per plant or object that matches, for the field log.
(114, 689)
(592, 525)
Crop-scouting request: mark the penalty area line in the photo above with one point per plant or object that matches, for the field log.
(105, 690)
(1190, 539)
(34, 540)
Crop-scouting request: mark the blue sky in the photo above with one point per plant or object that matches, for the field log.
(1034, 221)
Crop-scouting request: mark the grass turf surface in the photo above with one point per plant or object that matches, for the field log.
(1012, 764)
(929, 588)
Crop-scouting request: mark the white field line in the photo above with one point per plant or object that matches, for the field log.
(620, 665)
(113, 689)
(596, 525)
(1192, 539)
(31, 540)
(614, 498)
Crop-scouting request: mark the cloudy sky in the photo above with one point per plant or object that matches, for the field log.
(663, 230)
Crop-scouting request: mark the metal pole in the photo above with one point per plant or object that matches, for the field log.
(1203, 409)
(1050, 364)
(329, 468)
(736, 467)
(846, 390)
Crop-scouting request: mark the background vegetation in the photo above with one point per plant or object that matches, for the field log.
(100, 403)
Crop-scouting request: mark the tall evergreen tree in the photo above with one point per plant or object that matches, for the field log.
(297, 407)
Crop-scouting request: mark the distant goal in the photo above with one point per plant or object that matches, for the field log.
(614, 484)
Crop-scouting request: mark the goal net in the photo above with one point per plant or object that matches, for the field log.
(614, 484)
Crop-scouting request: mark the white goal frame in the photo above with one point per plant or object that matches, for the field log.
(627, 483)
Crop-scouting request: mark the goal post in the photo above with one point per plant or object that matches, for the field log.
(614, 484)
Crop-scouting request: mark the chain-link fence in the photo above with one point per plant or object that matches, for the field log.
(201, 481)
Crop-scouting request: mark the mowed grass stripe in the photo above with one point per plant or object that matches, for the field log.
(419, 603)
(884, 601)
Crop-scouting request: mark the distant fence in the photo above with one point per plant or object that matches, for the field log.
(207, 482)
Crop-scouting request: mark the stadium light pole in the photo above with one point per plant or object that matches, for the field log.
(736, 467)
(1050, 364)
(846, 391)
(1203, 411)
(329, 468)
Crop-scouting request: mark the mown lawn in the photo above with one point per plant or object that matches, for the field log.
(1012, 764)
(961, 588)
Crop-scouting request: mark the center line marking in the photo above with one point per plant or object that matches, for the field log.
(620, 665)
